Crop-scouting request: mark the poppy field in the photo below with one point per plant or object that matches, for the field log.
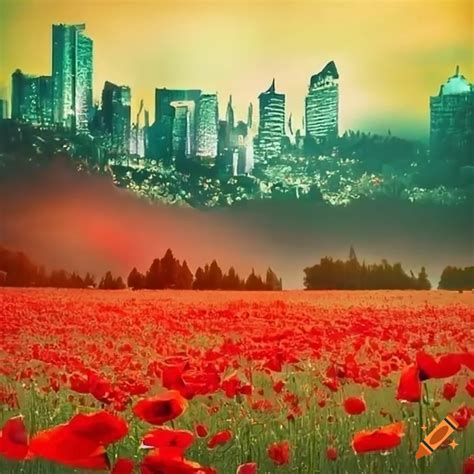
(183, 382)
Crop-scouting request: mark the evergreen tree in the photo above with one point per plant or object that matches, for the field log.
(169, 269)
(185, 277)
(89, 280)
(119, 284)
(254, 282)
(154, 276)
(272, 282)
(352, 254)
(231, 280)
(423, 283)
(107, 282)
(215, 276)
(199, 280)
(136, 280)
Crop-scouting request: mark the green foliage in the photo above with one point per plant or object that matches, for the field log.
(454, 278)
(332, 274)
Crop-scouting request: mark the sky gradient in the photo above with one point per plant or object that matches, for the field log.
(391, 55)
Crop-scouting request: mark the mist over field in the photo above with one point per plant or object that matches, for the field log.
(84, 223)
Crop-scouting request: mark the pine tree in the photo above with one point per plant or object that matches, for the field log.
(135, 280)
(215, 276)
(231, 280)
(423, 283)
(89, 280)
(185, 277)
(169, 269)
(154, 277)
(199, 280)
(272, 282)
(352, 254)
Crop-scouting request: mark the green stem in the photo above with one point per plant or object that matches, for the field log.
(420, 424)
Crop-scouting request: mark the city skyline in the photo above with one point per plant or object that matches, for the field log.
(361, 101)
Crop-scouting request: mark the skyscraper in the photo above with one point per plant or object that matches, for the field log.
(230, 120)
(3, 109)
(271, 128)
(31, 98)
(116, 116)
(138, 133)
(181, 129)
(452, 120)
(243, 150)
(322, 104)
(207, 126)
(161, 133)
(72, 77)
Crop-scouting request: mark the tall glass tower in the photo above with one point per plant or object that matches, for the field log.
(271, 127)
(322, 104)
(452, 120)
(116, 112)
(72, 77)
(31, 98)
(207, 125)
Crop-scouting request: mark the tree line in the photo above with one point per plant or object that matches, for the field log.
(168, 272)
(454, 278)
(331, 274)
(16, 269)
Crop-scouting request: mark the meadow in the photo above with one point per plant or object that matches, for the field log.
(182, 382)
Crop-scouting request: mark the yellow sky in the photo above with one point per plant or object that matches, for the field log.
(391, 55)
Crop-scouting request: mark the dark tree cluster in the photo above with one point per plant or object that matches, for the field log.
(454, 278)
(168, 272)
(109, 282)
(332, 274)
(16, 269)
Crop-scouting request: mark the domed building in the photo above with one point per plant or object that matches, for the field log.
(452, 121)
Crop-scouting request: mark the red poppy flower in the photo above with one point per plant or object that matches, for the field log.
(463, 416)
(468, 467)
(354, 405)
(331, 384)
(81, 442)
(279, 453)
(79, 383)
(470, 388)
(161, 408)
(157, 464)
(177, 440)
(449, 391)
(248, 468)
(98, 460)
(409, 386)
(220, 438)
(60, 444)
(101, 427)
(467, 359)
(278, 386)
(14, 439)
(201, 430)
(331, 453)
(382, 439)
(231, 385)
(123, 466)
(430, 368)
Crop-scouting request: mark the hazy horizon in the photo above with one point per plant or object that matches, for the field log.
(390, 59)
(84, 223)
